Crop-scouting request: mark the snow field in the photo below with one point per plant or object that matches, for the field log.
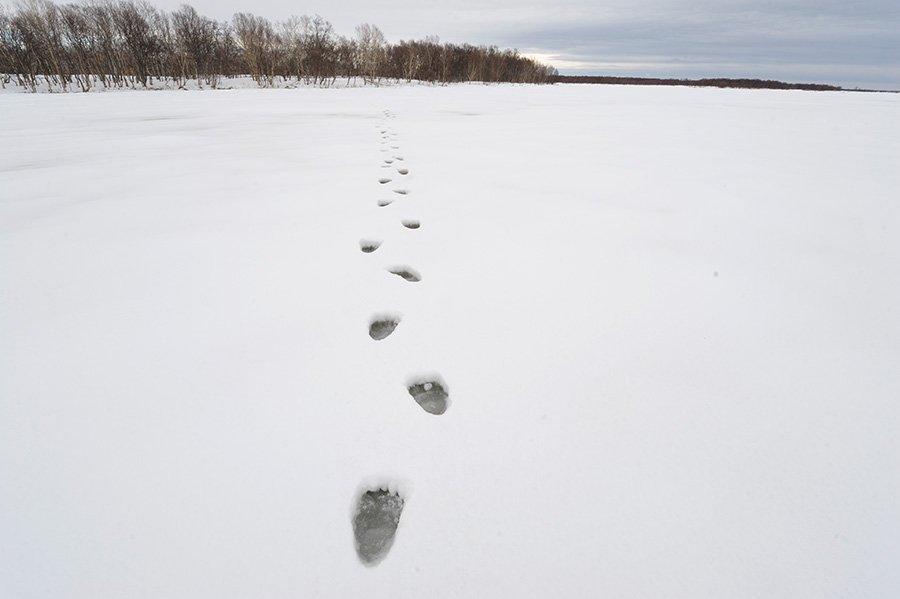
(666, 318)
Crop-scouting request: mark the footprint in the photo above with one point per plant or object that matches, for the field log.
(407, 273)
(402, 192)
(382, 325)
(403, 171)
(430, 393)
(383, 180)
(398, 157)
(375, 524)
(395, 147)
(411, 224)
(388, 161)
(369, 245)
(383, 203)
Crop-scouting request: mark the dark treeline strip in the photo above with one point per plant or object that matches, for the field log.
(129, 44)
(739, 83)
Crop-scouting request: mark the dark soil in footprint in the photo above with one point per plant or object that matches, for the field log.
(382, 326)
(384, 203)
(375, 524)
(368, 245)
(384, 180)
(403, 171)
(406, 273)
(411, 224)
(431, 395)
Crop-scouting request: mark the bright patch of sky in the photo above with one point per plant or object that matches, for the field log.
(854, 43)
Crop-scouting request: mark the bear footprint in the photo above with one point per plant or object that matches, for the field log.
(369, 245)
(381, 326)
(375, 524)
(406, 273)
(431, 394)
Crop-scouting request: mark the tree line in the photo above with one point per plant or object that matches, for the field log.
(720, 82)
(129, 43)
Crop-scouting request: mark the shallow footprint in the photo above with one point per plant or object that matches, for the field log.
(384, 203)
(398, 157)
(431, 394)
(375, 524)
(382, 325)
(388, 161)
(384, 180)
(369, 245)
(411, 224)
(406, 273)
(402, 192)
(403, 171)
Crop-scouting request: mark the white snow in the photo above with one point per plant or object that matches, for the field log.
(667, 319)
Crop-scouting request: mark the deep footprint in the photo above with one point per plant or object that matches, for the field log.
(411, 224)
(384, 203)
(403, 171)
(384, 180)
(402, 192)
(431, 395)
(369, 245)
(406, 273)
(375, 524)
(381, 326)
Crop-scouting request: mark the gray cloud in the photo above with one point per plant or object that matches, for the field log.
(852, 43)
(828, 44)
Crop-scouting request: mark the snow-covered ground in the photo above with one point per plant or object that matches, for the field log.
(668, 320)
(10, 84)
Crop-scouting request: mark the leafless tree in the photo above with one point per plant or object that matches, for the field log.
(257, 39)
(370, 51)
(114, 43)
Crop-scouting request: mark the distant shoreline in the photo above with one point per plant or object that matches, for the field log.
(717, 82)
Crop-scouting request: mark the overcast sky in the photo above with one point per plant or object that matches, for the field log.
(849, 42)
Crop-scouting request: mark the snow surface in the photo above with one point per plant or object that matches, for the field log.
(668, 320)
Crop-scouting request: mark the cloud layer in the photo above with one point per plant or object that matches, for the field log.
(851, 43)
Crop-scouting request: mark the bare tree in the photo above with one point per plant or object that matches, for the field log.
(370, 51)
(257, 38)
(196, 42)
(320, 45)
(129, 42)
